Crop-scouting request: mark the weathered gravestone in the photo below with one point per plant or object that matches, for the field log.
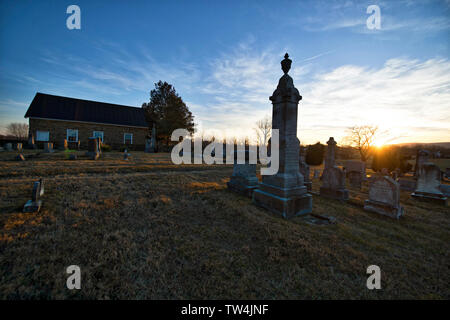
(48, 147)
(384, 197)
(428, 184)
(422, 157)
(284, 193)
(333, 178)
(356, 166)
(244, 179)
(356, 172)
(407, 184)
(304, 170)
(354, 179)
(8, 147)
(34, 205)
(93, 149)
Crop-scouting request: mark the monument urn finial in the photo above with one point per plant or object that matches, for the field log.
(331, 142)
(286, 64)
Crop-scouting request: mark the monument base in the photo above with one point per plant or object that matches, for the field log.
(430, 197)
(286, 207)
(383, 208)
(32, 206)
(245, 190)
(339, 194)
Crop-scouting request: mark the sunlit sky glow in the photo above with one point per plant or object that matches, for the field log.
(223, 57)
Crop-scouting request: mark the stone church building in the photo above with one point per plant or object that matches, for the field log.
(55, 118)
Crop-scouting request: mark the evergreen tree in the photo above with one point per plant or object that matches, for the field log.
(314, 154)
(168, 111)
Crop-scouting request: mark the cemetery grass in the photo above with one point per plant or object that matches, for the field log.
(146, 229)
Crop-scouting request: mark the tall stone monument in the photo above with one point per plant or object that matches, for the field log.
(284, 193)
(333, 178)
(428, 184)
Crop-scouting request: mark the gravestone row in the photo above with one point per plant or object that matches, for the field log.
(286, 192)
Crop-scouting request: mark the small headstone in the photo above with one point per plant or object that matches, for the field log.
(356, 166)
(48, 147)
(8, 147)
(333, 178)
(20, 157)
(422, 157)
(407, 184)
(355, 179)
(18, 146)
(428, 184)
(93, 149)
(355, 172)
(34, 205)
(304, 170)
(244, 179)
(384, 197)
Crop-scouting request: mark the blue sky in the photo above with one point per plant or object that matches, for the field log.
(223, 59)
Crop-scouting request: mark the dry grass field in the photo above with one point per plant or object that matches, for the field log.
(148, 229)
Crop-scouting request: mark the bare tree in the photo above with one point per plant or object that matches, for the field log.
(263, 130)
(362, 138)
(18, 130)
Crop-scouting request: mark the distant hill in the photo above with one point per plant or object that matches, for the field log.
(445, 145)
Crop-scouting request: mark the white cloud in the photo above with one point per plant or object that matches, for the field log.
(405, 96)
